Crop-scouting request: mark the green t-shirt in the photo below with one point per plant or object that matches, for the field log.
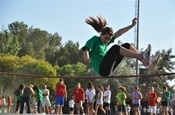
(121, 98)
(19, 95)
(97, 50)
(39, 96)
(166, 96)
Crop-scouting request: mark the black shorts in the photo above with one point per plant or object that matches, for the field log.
(121, 108)
(71, 109)
(106, 104)
(135, 105)
(164, 103)
(111, 60)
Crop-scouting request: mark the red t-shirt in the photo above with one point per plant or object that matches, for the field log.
(60, 89)
(0, 102)
(9, 101)
(78, 94)
(152, 99)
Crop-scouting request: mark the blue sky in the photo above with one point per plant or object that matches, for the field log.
(157, 18)
(67, 17)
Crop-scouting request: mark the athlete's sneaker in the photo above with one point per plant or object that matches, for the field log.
(153, 62)
(146, 55)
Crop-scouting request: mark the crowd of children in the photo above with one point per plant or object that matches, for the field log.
(90, 101)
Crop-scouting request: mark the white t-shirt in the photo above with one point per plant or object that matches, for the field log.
(108, 98)
(71, 103)
(87, 91)
(45, 91)
(90, 95)
(4, 103)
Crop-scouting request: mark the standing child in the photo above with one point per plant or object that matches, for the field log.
(39, 98)
(144, 110)
(91, 99)
(129, 110)
(136, 100)
(46, 105)
(107, 99)
(9, 104)
(71, 106)
(99, 101)
(165, 100)
(87, 104)
(121, 101)
(79, 97)
(18, 94)
(152, 101)
(61, 96)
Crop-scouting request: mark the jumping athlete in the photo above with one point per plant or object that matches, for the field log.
(104, 61)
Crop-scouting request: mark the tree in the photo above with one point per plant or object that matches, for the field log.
(9, 44)
(26, 65)
(20, 29)
(39, 39)
(68, 54)
(35, 42)
(52, 48)
(73, 70)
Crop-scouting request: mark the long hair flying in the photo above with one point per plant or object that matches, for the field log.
(98, 24)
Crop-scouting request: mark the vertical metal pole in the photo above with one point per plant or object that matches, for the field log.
(137, 44)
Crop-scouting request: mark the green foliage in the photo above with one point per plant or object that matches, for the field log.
(73, 70)
(9, 44)
(68, 54)
(52, 48)
(35, 42)
(26, 65)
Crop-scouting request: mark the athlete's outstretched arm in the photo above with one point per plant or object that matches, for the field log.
(86, 56)
(125, 29)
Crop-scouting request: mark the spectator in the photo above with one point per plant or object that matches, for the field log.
(39, 97)
(99, 101)
(61, 94)
(71, 106)
(144, 110)
(9, 104)
(152, 99)
(129, 109)
(136, 99)
(165, 100)
(79, 97)
(25, 98)
(107, 99)
(86, 97)
(4, 104)
(121, 101)
(91, 99)
(46, 105)
(18, 94)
